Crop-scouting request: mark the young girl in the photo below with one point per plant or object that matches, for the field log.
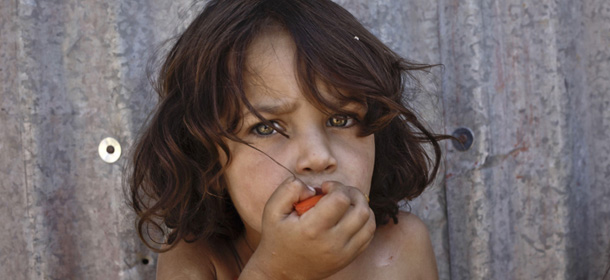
(263, 104)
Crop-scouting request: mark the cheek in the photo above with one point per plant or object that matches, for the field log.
(368, 157)
(358, 158)
(251, 179)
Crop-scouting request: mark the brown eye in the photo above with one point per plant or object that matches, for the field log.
(339, 121)
(263, 129)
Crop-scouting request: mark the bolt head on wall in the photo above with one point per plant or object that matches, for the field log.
(109, 150)
(464, 137)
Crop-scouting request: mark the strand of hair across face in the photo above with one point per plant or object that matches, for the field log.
(293, 175)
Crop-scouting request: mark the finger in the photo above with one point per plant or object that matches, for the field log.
(332, 207)
(330, 186)
(356, 216)
(361, 239)
(282, 200)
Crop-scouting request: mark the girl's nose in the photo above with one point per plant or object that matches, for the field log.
(315, 154)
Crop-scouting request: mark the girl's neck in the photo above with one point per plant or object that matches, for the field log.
(250, 237)
(245, 245)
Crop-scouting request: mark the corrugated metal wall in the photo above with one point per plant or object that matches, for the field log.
(529, 200)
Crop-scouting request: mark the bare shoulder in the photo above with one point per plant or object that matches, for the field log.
(411, 239)
(187, 261)
(413, 229)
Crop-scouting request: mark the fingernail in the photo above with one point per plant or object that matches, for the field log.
(311, 188)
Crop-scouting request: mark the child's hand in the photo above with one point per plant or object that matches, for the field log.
(320, 242)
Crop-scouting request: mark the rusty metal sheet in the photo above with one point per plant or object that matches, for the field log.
(73, 74)
(14, 240)
(529, 199)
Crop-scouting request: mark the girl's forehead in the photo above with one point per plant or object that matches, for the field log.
(270, 68)
(271, 54)
(271, 78)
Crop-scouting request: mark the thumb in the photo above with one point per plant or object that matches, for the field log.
(282, 200)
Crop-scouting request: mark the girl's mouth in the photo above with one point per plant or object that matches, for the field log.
(315, 188)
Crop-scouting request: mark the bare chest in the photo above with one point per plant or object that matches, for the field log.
(373, 265)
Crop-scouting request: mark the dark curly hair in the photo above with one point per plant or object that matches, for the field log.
(176, 182)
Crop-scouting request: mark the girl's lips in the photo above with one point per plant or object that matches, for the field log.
(315, 188)
(311, 188)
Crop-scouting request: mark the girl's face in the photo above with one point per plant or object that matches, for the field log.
(321, 146)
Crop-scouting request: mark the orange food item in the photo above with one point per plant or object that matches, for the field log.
(302, 206)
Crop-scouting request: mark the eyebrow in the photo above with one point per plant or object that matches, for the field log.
(275, 109)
